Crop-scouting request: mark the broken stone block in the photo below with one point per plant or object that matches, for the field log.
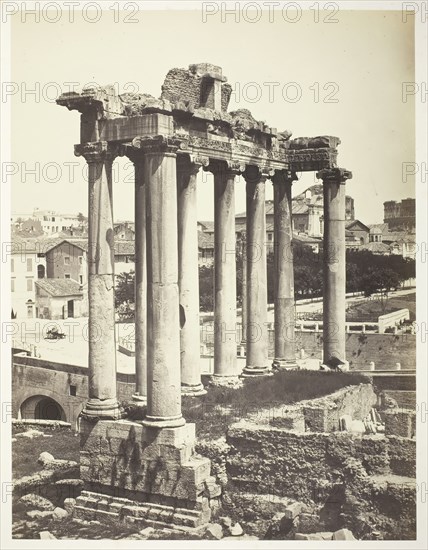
(147, 532)
(69, 504)
(357, 426)
(345, 422)
(225, 521)
(35, 514)
(214, 531)
(236, 530)
(293, 510)
(343, 534)
(59, 513)
(45, 458)
(36, 501)
(44, 535)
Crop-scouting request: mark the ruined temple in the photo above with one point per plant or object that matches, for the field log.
(139, 469)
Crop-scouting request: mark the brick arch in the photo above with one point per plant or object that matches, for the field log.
(42, 407)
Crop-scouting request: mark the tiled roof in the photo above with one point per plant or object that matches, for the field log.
(205, 240)
(59, 287)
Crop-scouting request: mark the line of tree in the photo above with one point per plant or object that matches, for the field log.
(365, 272)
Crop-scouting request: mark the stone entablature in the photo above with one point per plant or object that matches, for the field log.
(204, 125)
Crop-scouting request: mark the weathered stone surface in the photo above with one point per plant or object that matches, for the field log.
(33, 514)
(343, 534)
(38, 502)
(45, 535)
(293, 510)
(69, 504)
(214, 531)
(60, 513)
(400, 422)
(236, 530)
(45, 458)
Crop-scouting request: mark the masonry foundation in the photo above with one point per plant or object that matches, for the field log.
(144, 476)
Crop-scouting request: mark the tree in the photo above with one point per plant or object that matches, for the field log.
(81, 218)
(380, 280)
(206, 288)
(125, 289)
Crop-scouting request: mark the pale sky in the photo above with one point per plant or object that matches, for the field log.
(361, 61)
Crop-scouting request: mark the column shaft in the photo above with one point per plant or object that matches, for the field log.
(102, 341)
(188, 277)
(334, 266)
(225, 341)
(284, 272)
(244, 289)
(257, 333)
(163, 337)
(140, 283)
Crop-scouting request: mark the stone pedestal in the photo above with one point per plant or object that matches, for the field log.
(285, 354)
(143, 476)
(102, 401)
(225, 329)
(257, 333)
(334, 266)
(188, 277)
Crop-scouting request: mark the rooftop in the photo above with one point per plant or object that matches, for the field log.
(59, 287)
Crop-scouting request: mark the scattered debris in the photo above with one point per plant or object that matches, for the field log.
(236, 530)
(343, 534)
(44, 535)
(214, 531)
(45, 458)
(36, 502)
(69, 504)
(293, 510)
(60, 513)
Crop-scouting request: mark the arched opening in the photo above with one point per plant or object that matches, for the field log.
(41, 407)
(40, 271)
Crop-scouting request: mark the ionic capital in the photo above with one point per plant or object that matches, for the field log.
(284, 177)
(96, 151)
(191, 164)
(230, 167)
(334, 175)
(159, 145)
(256, 174)
(136, 156)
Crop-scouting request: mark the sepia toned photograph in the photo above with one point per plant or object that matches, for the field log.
(213, 274)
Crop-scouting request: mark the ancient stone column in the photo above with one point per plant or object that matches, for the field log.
(188, 276)
(140, 395)
(225, 330)
(244, 288)
(102, 401)
(163, 326)
(257, 333)
(285, 354)
(334, 265)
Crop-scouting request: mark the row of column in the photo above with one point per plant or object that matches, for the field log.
(166, 276)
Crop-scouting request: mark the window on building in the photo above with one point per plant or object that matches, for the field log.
(29, 264)
(67, 275)
(29, 284)
(72, 390)
(12, 282)
(66, 260)
(269, 236)
(81, 279)
(12, 265)
(81, 260)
